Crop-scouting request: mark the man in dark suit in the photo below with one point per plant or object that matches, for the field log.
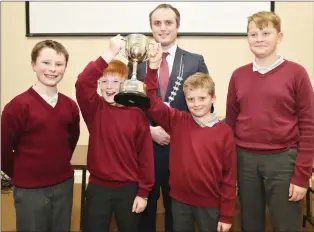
(177, 65)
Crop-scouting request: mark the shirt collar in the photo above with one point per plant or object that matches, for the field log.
(213, 120)
(256, 67)
(44, 95)
(172, 50)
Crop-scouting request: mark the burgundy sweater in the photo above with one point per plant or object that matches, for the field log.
(203, 164)
(120, 149)
(37, 140)
(273, 112)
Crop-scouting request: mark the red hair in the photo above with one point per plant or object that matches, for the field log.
(117, 68)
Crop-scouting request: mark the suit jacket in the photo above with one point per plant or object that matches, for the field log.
(186, 64)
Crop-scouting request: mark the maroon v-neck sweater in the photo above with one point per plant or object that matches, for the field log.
(273, 112)
(203, 160)
(120, 149)
(37, 140)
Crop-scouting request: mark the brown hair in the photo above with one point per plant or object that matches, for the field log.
(263, 18)
(199, 80)
(58, 47)
(166, 6)
(117, 68)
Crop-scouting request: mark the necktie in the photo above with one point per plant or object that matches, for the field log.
(163, 75)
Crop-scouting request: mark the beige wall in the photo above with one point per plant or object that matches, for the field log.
(222, 54)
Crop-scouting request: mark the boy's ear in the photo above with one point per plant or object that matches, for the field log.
(280, 37)
(33, 65)
(213, 99)
(212, 109)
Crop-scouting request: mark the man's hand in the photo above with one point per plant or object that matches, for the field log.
(159, 135)
(296, 193)
(154, 54)
(115, 45)
(139, 205)
(223, 227)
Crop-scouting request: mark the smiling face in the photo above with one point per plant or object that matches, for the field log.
(49, 66)
(199, 92)
(110, 82)
(199, 102)
(263, 42)
(109, 86)
(165, 26)
(264, 34)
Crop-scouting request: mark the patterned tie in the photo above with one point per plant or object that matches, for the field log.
(164, 75)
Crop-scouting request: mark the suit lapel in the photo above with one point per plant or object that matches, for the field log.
(175, 71)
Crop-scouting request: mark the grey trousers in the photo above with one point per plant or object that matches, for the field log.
(265, 180)
(44, 209)
(102, 202)
(185, 216)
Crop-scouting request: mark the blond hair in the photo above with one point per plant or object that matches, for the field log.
(263, 18)
(199, 80)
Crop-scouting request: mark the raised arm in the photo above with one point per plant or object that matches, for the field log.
(159, 112)
(86, 84)
(13, 122)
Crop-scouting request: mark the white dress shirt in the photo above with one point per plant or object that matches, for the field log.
(50, 100)
(170, 57)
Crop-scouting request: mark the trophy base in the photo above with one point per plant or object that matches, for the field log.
(135, 99)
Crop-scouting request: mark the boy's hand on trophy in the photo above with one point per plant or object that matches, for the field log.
(116, 44)
(154, 54)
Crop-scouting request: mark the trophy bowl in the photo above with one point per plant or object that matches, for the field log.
(133, 92)
(136, 47)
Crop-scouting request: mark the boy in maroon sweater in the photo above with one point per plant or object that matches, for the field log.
(39, 132)
(120, 151)
(202, 153)
(270, 108)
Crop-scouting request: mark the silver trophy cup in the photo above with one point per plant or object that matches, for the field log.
(132, 91)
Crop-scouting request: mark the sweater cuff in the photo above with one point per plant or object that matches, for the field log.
(152, 72)
(142, 193)
(301, 182)
(225, 219)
